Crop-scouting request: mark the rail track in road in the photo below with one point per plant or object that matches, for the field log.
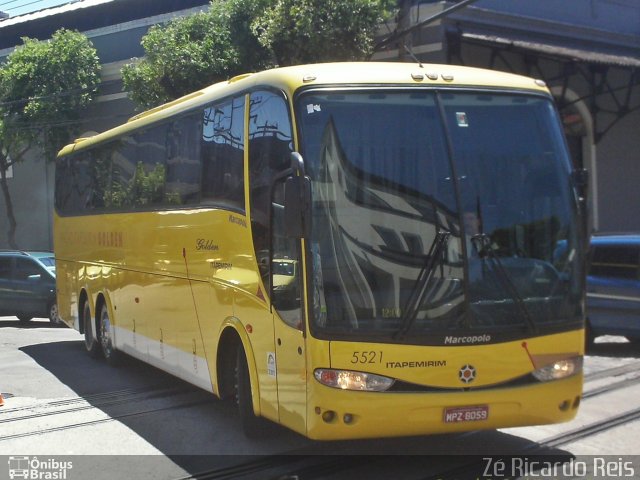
(317, 467)
(42, 418)
(181, 397)
(85, 402)
(591, 429)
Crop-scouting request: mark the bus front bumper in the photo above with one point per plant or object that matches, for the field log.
(339, 414)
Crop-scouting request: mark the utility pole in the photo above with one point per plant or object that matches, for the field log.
(405, 42)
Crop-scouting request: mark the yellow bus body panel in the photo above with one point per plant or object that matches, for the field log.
(376, 414)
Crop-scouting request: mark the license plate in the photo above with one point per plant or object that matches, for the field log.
(476, 413)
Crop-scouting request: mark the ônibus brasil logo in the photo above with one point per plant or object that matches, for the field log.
(37, 469)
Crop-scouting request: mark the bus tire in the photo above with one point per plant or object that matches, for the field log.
(252, 426)
(109, 352)
(90, 343)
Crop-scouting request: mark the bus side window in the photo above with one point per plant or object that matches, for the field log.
(77, 188)
(138, 169)
(149, 157)
(183, 161)
(222, 151)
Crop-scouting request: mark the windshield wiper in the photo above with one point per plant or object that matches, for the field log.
(420, 287)
(482, 243)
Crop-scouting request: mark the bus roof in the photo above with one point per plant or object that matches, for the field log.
(289, 79)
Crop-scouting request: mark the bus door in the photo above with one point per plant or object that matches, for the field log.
(270, 146)
(287, 309)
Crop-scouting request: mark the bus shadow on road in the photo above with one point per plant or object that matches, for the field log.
(201, 434)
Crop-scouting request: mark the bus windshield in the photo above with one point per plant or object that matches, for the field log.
(439, 213)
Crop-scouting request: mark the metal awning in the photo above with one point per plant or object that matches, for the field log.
(557, 51)
(610, 78)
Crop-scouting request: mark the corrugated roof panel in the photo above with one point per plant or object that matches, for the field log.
(587, 54)
(47, 12)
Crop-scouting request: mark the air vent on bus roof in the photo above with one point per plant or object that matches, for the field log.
(166, 105)
(239, 77)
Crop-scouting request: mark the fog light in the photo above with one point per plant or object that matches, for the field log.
(328, 416)
(348, 418)
(564, 406)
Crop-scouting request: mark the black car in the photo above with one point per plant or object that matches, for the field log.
(28, 285)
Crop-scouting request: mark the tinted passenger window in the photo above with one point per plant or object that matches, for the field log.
(197, 158)
(76, 188)
(223, 154)
(183, 161)
(618, 261)
(139, 170)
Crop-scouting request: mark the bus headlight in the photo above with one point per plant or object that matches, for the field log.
(559, 369)
(349, 380)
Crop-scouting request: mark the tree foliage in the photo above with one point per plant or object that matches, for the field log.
(44, 87)
(191, 53)
(311, 31)
(240, 36)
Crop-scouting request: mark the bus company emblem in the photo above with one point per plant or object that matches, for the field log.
(469, 339)
(204, 244)
(467, 374)
(238, 221)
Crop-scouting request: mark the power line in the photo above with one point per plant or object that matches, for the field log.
(401, 33)
(66, 123)
(58, 94)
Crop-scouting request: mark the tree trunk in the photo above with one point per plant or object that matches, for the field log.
(11, 233)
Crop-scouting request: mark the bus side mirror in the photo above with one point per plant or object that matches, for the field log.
(297, 204)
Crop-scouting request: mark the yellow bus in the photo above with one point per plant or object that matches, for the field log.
(351, 250)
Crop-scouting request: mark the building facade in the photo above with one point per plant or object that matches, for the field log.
(587, 51)
(115, 27)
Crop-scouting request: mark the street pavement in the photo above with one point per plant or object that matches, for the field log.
(61, 402)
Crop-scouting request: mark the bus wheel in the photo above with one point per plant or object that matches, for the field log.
(252, 426)
(89, 342)
(111, 355)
